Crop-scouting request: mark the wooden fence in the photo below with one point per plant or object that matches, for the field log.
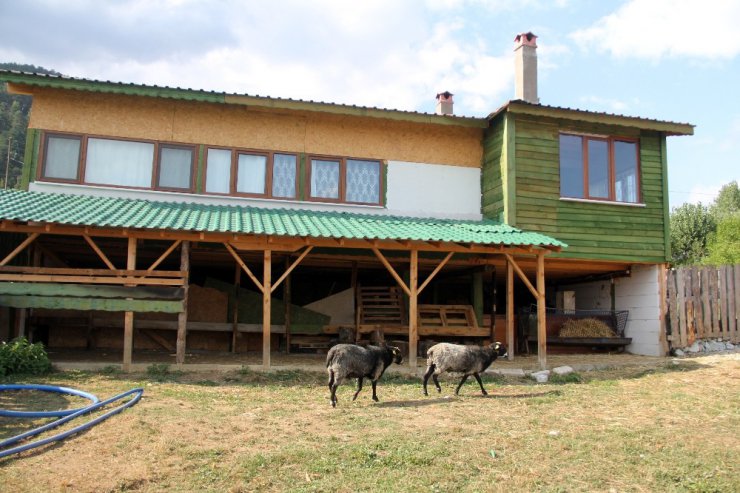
(703, 303)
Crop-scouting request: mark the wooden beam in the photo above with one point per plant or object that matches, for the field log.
(286, 302)
(91, 280)
(50, 255)
(19, 248)
(290, 269)
(182, 317)
(128, 317)
(93, 272)
(510, 343)
(392, 271)
(235, 308)
(435, 271)
(521, 274)
(164, 255)
(541, 313)
(100, 253)
(413, 310)
(245, 268)
(266, 307)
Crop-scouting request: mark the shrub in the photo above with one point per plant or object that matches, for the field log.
(20, 356)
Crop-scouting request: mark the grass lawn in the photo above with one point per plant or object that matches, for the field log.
(670, 428)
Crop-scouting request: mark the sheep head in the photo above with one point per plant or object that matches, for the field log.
(397, 355)
(499, 349)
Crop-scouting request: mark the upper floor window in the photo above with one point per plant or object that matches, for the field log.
(267, 174)
(124, 163)
(599, 168)
(344, 180)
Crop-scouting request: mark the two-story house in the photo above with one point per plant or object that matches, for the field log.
(320, 199)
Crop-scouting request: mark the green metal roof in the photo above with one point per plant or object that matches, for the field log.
(107, 212)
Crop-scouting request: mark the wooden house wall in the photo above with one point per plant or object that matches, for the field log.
(492, 188)
(592, 230)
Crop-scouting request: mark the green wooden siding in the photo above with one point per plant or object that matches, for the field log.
(491, 178)
(595, 231)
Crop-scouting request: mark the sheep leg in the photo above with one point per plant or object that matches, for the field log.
(457, 390)
(331, 379)
(359, 388)
(429, 372)
(375, 395)
(480, 382)
(334, 394)
(436, 382)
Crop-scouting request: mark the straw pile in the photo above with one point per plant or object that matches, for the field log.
(586, 327)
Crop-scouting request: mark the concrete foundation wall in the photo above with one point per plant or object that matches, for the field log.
(640, 294)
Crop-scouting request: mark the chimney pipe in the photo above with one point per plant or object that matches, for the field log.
(525, 66)
(444, 103)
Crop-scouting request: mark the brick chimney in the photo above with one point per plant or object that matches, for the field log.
(525, 66)
(444, 103)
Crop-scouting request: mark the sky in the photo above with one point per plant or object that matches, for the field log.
(671, 60)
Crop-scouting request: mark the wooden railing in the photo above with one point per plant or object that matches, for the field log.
(703, 303)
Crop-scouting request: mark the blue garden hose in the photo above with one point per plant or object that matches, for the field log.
(67, 416)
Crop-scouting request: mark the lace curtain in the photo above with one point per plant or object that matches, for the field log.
(218, 171)
(119, 162)
(62, 158)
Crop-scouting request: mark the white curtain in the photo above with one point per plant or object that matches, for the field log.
(283, 175)
(251, 173)
(218, 171)
(363, 181)
(175, 167)
(625, 169)
(324, 179)
(62, 158)
(119, 162)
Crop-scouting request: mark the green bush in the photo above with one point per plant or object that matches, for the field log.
(20, 356)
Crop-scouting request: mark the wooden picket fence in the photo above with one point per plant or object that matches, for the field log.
(703, 303)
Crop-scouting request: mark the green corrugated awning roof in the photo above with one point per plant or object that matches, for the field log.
(109, 212)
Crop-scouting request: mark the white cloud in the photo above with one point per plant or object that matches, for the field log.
(597, 103)
(704, 29)
(704, 193)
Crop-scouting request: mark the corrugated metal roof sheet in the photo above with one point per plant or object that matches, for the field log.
(82, 210)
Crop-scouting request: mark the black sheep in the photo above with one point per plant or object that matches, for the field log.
(468, 360)
(352, 361)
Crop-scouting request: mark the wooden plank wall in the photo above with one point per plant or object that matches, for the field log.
(592, 230)
(703, 303)
(491, 180)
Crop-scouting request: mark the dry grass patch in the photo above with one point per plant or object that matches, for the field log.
(668, 428)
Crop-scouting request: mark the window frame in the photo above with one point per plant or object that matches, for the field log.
(82, 161)
(342, 199)
(611, 172)
(234, 170)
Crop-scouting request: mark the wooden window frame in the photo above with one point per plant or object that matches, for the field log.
(234, 169)
(342, 179)
(610, 140)
(82, 163)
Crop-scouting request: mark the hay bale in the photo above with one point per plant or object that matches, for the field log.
(586, 327)
(207, 305)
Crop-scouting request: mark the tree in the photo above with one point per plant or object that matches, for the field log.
(724, 245)
(727, 202)
(691, 224)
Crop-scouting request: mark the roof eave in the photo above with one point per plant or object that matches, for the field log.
(524, 108)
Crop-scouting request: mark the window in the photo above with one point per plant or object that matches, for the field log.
(62, 157)
(345, 180)
(122, 163)
(266, 174)
(599, 168)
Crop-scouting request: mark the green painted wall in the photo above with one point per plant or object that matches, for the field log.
(591, 230)
(492, 187)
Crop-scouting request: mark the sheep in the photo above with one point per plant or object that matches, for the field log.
(468, 360)
(352, 361)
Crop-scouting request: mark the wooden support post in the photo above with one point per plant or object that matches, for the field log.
(19, 248)
(510, 310)
(128, 317)
(413, 312)
(266, 307)
(182, 317)
(541, 313)
(286, 301)
(235, 308)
